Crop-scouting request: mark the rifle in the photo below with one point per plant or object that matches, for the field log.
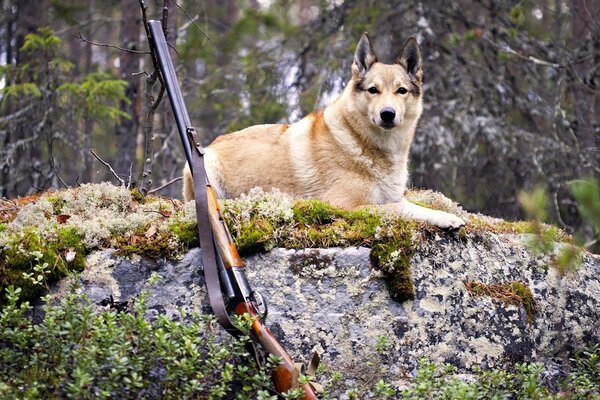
(223, 267)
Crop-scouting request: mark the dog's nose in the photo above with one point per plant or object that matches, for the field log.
(387, 114)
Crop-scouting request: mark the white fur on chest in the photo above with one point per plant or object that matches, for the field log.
(386, 186)
(390, 187)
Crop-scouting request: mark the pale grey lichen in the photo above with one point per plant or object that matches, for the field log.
(273, 206)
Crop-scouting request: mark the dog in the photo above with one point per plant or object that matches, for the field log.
(352, 154)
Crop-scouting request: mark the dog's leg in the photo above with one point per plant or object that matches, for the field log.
(188, 184)
(212, 165)
(415, 212)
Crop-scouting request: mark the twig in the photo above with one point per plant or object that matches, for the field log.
(146, 174)
(53, 164)
(194, 22)
(506, 48)
(110, 45)
(172, 181)
(154, 75)
(130, 175)
(108, 166)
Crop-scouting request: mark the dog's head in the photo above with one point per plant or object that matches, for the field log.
(389, 93)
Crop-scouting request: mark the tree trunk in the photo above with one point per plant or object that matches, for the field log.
(126, 130)
(31, 14)
(584, 16)
(88, 124)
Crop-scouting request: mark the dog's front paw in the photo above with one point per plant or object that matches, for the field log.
(446, 220)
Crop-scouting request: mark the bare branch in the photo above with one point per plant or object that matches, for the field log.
(80, 36)
(109, 167)
(507, 49)
(194, 22)
(172, 181)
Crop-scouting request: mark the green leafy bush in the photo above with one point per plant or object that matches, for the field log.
(77, 353)
(524, 382)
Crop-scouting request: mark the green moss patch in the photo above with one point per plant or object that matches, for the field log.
(516, 293)
(60, 250)
(547, 232)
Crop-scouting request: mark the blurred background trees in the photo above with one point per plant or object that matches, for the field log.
(511, 88)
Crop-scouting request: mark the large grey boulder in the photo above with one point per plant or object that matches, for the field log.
(333, 302)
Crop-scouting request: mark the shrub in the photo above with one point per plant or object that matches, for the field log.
(77, 353)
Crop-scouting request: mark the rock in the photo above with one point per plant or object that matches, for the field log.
(331, 301)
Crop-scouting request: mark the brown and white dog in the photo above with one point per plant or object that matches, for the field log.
(352, 154)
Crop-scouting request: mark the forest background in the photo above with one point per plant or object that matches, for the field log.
(511, 98)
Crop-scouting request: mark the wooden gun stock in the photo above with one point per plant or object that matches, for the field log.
(286, 375)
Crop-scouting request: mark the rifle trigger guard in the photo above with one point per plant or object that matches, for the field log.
(261, 305)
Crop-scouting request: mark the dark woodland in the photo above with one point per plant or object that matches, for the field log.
(511, 89)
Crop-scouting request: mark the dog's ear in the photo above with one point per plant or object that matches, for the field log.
(411, 58)
(364, 57)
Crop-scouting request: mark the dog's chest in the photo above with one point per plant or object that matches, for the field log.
(389, 186)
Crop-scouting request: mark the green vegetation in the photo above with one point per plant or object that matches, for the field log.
(524, 382)
(49, 256)
(74, 222)
(70, 224)
(77, 353)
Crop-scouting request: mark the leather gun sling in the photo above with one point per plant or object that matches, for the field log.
(209, 255)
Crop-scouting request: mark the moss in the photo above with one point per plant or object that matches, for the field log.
(322, 225)
(57, 204)
(254, 236)
(137, 196)
(316, 224)
(547, 232)
(62, 250)
(516, 293)
(392, 256)
(106, 216)
(3, 227)
(186, 232)
(523, 291)
(315, 212)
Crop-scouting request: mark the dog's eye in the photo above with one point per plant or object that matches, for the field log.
(402, 90)
(373, 90)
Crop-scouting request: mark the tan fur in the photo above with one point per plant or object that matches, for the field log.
(341, 155)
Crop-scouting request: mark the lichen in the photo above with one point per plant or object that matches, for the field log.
(60, 228)
(102, 215)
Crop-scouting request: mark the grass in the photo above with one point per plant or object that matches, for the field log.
(516, 293)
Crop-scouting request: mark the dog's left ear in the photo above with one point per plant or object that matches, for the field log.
(411, 58)
(364, 57)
